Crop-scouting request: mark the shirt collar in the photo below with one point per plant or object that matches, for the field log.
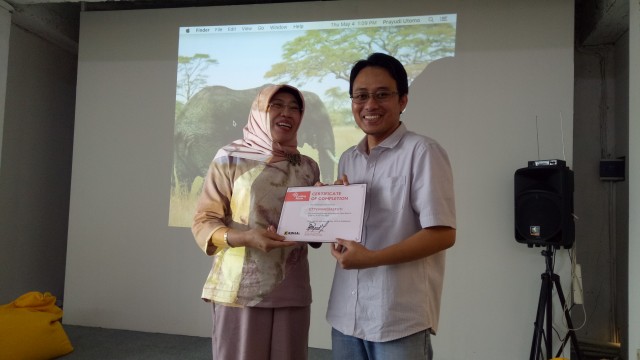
(389, 142)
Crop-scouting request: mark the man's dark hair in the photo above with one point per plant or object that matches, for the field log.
(387, 62)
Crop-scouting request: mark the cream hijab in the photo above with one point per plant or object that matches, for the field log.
(257, 143)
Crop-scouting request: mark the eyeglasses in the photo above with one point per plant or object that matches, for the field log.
(280, 107)
(379, 96)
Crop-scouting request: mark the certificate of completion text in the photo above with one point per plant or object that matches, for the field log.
(323, 213)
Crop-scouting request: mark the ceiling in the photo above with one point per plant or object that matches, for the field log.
(597, 22)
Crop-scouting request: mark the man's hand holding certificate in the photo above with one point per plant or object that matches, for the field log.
(323, 213)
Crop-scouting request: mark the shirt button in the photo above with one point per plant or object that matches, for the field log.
(353, 292)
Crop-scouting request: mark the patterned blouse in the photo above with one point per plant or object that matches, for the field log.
(244, 194)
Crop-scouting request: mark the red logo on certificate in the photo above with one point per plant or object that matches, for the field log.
(297, 196)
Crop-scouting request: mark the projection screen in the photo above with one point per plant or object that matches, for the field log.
(221, 68)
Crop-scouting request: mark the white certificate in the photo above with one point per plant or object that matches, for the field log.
(323, 213)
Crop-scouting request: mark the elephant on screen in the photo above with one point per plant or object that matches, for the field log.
(216, 115)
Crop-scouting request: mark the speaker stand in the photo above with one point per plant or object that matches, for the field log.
(545, 306)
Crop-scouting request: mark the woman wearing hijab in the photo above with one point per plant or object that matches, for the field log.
(259, 284)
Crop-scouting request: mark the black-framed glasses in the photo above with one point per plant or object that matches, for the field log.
(380, 96)
(281, 107)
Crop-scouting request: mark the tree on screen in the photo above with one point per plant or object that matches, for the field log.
(338, 105)
(191, 74)
(321, 53)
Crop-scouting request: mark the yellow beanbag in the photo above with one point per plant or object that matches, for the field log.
(30, 328)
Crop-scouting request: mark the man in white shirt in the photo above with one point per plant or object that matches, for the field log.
(385, 298)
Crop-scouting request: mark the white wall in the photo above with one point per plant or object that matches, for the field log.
(634, 181)
(126, 269)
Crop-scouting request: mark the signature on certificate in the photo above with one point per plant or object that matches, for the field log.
(317, 226)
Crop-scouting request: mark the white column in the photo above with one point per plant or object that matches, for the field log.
(634, 181)
(5, 29)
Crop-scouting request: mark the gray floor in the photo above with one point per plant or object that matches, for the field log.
(106, 344)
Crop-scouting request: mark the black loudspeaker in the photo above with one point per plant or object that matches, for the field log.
(544, 204)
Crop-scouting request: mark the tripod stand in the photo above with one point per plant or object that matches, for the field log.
(545, 306)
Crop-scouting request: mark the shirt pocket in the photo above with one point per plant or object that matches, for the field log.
(389, 195)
